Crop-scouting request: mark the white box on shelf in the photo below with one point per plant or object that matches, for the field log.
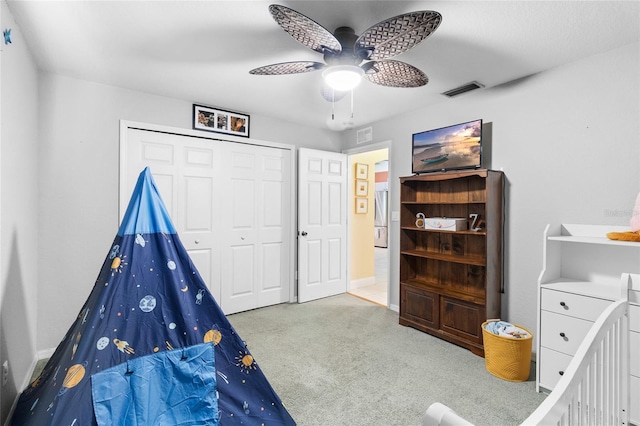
(445, 223)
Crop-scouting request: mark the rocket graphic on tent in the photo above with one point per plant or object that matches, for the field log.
(150, 310)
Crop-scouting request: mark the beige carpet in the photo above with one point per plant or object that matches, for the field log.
(345, 361)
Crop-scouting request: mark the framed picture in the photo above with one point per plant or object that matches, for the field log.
(362, 171)
(362, 188)
(362, 205)
(220, 121)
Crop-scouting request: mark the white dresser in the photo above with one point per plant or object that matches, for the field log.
(581, 276)
(634, 347)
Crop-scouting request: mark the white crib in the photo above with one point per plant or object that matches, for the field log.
(595, 387)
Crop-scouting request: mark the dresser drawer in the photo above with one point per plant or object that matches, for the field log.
(574, 305)
(634, 358)
(562, 333)
(552, 365)
(634, 413)
(634, 318)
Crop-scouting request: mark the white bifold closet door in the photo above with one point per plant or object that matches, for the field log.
(230, 204)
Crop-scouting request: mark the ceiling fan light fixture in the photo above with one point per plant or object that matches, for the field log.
(343, 77)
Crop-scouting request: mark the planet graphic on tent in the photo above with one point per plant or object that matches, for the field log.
(147, 303)
(212, 336)
(102, 343)
(75, 373)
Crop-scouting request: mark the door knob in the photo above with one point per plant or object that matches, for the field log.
(303, 233)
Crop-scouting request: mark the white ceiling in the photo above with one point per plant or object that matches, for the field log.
(202, 51)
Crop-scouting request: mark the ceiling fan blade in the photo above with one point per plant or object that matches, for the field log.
(394, 74)
(395, 35)
(305, 30)
(287, 68)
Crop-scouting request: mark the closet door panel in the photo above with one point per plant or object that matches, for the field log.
(258, 188)
(231, 204)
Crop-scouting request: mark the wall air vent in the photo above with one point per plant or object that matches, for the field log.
(364, 135)
(463, 89)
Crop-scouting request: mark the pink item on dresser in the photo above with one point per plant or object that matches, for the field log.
(635, 216)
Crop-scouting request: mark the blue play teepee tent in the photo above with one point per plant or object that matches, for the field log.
(148, 313)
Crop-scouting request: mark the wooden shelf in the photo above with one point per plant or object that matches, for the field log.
(467, 260)
(440, 202)
(450, 281)
(415, 228)
(436, 287)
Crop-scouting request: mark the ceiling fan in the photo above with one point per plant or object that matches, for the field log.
(348, 57)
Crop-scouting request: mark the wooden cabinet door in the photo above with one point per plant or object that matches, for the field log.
(419, 306)
(462, 318)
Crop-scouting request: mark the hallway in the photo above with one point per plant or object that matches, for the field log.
(377, 292)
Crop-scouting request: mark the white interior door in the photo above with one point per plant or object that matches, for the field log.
(322, 224)
(255, 226)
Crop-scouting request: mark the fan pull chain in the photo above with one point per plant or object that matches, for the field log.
(333, 103)
(351, 103)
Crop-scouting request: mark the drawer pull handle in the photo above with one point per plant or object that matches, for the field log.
(561, 373)
(563, 335)
(564, 305)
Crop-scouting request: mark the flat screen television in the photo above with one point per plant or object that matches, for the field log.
(448, 148)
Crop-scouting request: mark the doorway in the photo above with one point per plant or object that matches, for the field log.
(369, 252)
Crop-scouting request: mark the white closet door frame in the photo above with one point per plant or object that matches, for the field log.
(123, 195)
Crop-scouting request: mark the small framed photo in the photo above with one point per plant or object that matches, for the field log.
(362, 188)
(362, 171)
(362, 205)
(220, 121)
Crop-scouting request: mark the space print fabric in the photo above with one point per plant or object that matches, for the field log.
(148, 298)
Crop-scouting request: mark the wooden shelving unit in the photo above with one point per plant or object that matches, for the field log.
(450, 281)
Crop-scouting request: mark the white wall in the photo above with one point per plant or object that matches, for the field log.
(79, 182)
(18, 211)
(568, 141)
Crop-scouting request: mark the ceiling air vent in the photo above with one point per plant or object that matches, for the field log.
(463, 89)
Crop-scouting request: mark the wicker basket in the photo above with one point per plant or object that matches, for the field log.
(506, 357)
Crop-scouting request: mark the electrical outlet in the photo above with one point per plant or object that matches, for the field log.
(5, 372)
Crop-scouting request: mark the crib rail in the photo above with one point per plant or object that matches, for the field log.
(595, 387)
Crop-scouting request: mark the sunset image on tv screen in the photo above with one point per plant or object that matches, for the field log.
(448, 148)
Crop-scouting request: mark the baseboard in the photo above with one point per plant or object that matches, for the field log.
(395, 308)
(362, 282)
(44, 354)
